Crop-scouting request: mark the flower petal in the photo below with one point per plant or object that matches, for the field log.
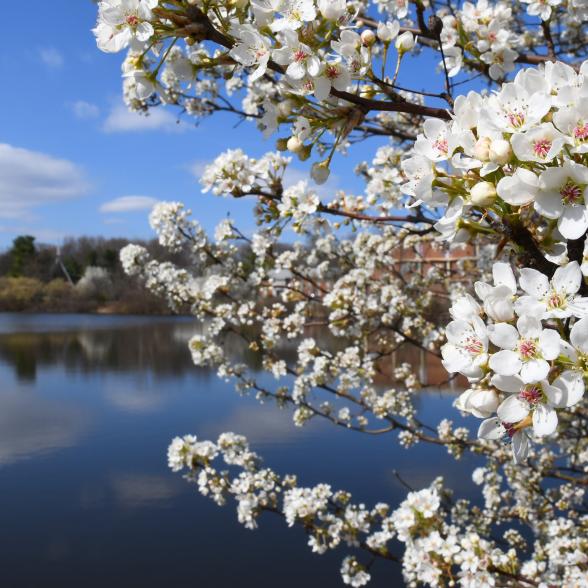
(567, 278)
(534, 371)
(534, 283)
(491, 429)
(520, 446)
(544, 420)
(550, 343)
(505, 363)
(529, 327)
(509, 384)
(512, 409)
(504, 276)
(579, 335)
(573, 222)
(566, 390)
(503, 335)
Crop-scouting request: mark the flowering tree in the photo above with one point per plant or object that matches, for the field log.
(504, 164)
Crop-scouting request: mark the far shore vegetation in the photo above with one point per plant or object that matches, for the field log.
(82, 275)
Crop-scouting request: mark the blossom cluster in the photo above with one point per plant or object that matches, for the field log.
(523, 362)
(522, 149)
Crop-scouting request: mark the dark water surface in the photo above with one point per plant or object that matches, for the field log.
(88, 406)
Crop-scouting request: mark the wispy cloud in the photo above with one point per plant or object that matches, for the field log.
(84, 110)
(128, 204)
(121, 120)
(29, 179)
(51, 57)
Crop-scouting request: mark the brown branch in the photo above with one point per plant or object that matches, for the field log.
(548, 39)
(202, 29)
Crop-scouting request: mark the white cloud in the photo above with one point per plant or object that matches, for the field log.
(29, 179)
(121, 120)
(51, 57)
(84, 110)
(128, 204)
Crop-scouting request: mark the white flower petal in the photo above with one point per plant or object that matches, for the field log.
(579, 335)
(567, 278)
(573, 222)
(530, 306)
(482, 290)
(520, 446)
(512, 409)
(549, 343)
(503, 335)
(505, 363)
(491, 429)
(567, 389)
(534, 283)
(534, 371)
(529, 327)
(504, 276)
(511, 384)
(544, 420)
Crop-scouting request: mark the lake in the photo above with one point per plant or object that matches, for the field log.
(88, 406)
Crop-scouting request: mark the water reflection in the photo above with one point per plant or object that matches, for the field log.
(30, 426)
(87, 408)
(144, 490)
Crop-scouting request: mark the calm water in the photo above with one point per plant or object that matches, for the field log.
(88, 405)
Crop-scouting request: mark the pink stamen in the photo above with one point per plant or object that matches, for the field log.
(441, 145)
(132, 20)
(332, 72)
(571, 193)
(531, 394)
(542, 147)
(300, 55)
(581, 132)
(555, 300)
(473, 346)
(516, 119)
(527, 348)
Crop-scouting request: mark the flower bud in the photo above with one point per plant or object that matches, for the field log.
(368, 38)
(483, 194)
(294, 144)
(405, 42)
(484, 401)
(305, 152)
(388, 31)
(282, 144)
(482, 149)
(332, 9)
(320, 172)
(500, 151)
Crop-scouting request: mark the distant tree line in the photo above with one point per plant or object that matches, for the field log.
(82, 275)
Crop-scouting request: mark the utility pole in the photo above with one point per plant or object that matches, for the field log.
(62, 266)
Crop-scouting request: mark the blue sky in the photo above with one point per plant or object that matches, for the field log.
(68, 147)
